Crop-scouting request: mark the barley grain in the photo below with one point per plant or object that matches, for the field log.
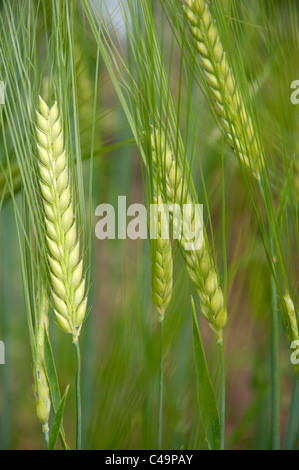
(65, 261)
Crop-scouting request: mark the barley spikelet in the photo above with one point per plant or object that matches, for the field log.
(228, 99)
(198, 261)
(292, 326)
(162, 263)
(293, 333)
(65, 261)
(43, 403)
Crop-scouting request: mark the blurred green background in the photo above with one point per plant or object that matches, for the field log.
(120, 338)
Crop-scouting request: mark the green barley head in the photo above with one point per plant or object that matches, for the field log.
(227, 97)
(198, 260)
(65, 260)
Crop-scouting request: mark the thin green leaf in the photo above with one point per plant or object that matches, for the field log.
(57, 422)
(291, 438)
(51, 374)
(284, 197)
(53, 384)
(206, 395)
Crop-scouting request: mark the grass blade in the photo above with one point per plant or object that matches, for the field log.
(51, 374)
(206, 395)
(57, 422)
(291, 439)
(53, 384)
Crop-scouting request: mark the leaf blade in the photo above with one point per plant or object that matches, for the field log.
(53, 383)
(57, 422)
(205, 392)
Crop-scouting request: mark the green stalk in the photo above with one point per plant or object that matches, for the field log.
(5, 318)
(78, 397)
(275, 382)
(293, 422)
(160, 432)
(222, 399)
(275, 376)
(46, 437)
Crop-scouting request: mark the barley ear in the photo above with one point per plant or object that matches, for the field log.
(65, 262)
(226, 95)
(198, 260)
(43, 402)
(161, 259)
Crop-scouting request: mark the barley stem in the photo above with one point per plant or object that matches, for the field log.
(5, 323)
(291, 433)
(222, 402)
(78, 396)
(46, 437)
(160, 433)
(275, 376)
(275, 382)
